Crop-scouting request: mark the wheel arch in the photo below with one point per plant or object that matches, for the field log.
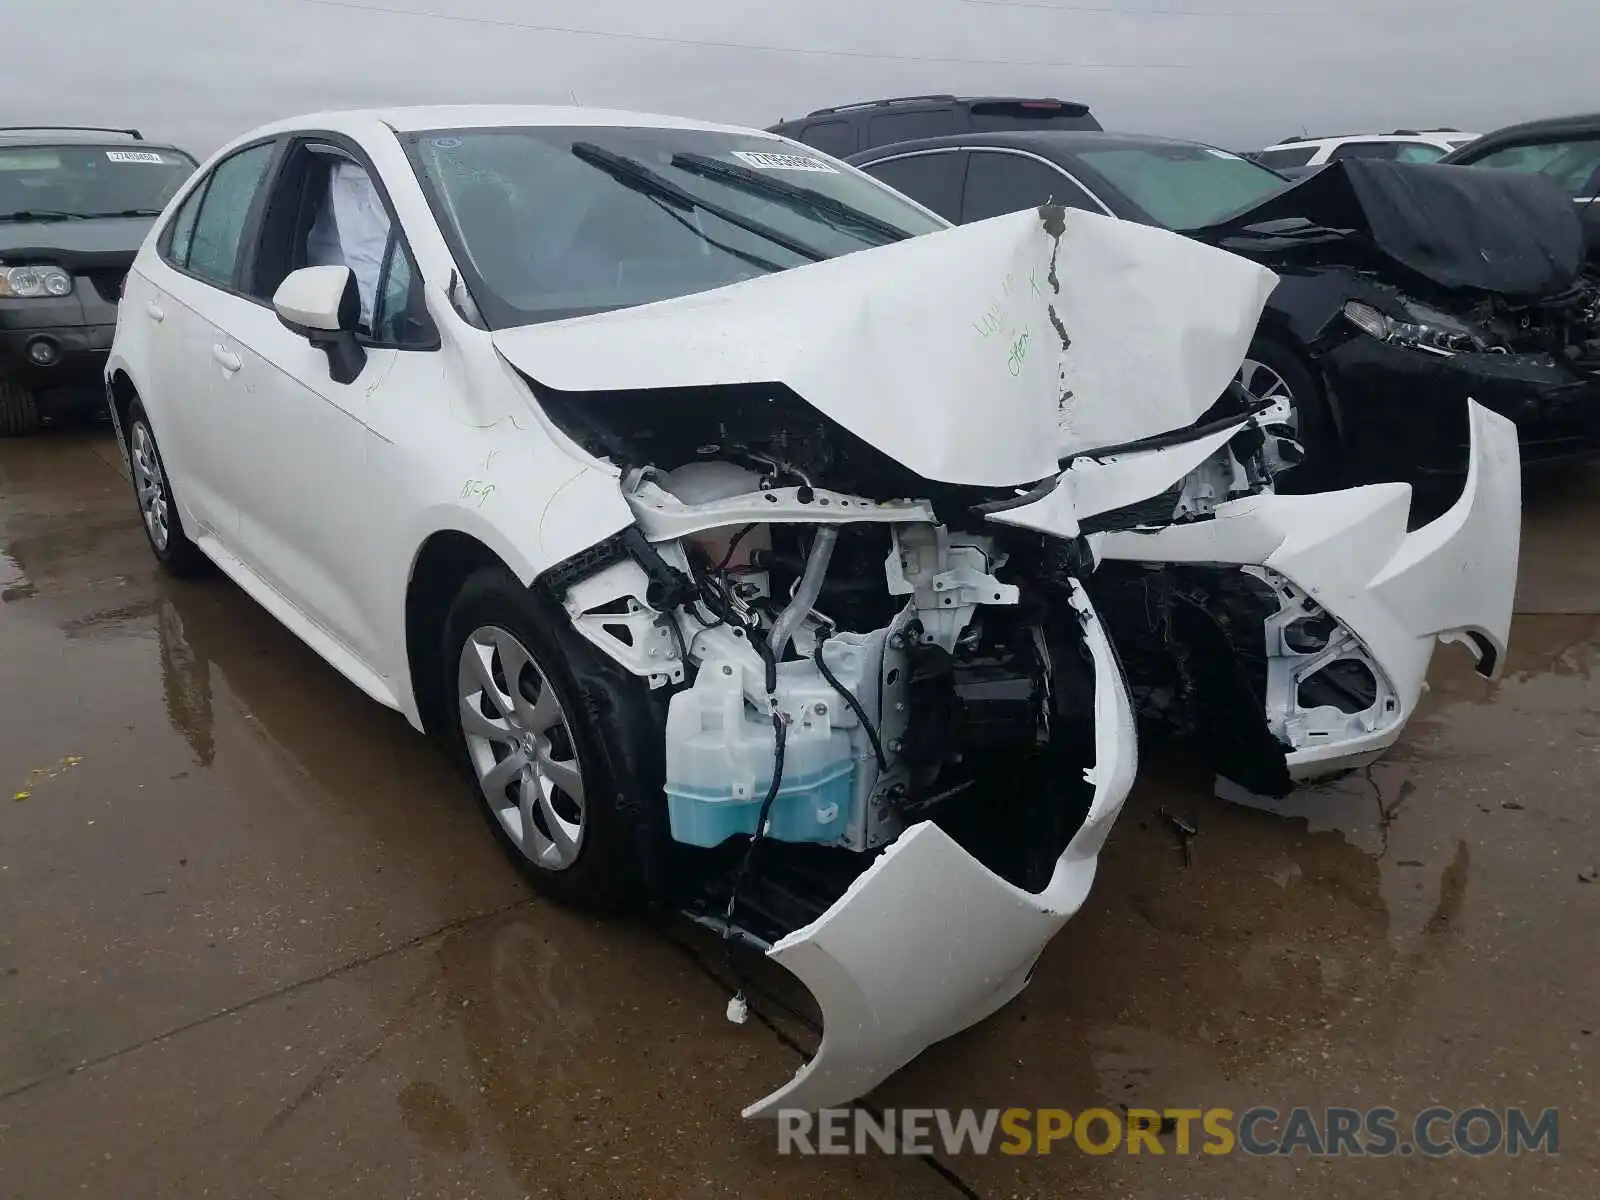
(444, 561)
(121, 393)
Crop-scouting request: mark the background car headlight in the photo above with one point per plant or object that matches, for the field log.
(1428, 329)
(34, 280)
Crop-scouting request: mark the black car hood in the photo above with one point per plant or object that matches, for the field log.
(100, 242)
(1460, 227)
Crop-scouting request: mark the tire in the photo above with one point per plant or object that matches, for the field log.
(158, 511)
(19, 410)
(1270, 368)
(586, 737)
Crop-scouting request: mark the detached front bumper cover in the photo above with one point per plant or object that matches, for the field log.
(928, 941)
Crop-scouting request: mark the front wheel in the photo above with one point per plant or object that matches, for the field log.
(562, 746)
(1271, 371)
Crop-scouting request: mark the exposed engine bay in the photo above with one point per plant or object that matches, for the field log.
(845, 663)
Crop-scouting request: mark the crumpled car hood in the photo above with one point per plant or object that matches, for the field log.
(1458, 227)
(979, 355)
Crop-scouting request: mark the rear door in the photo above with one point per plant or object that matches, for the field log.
(196, 279)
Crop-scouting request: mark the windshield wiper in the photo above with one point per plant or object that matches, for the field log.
(787, 193)
(129, 212)
(640, 178)
(41, 214)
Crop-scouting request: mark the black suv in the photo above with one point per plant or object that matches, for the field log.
(75, 204)
(851, 128)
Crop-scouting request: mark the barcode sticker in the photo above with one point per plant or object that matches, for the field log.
(134, 156)
(763, 161)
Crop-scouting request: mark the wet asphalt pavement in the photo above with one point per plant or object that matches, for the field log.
(255, 940)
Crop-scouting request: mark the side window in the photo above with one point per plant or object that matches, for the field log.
(394, 320)
(837, 138)
(908, 126)
(932, 180)
(1418, 152)
(1003, 183)
(219, 229)
(1389, 150)
(326, 209)
(181, 232)
(1292, 156)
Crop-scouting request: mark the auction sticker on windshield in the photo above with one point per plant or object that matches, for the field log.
(134, 156)
(764, 161)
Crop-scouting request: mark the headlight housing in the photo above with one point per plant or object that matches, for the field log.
(34, 280)
(1428, 329)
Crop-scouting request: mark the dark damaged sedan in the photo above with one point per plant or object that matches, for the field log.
(75, 204)
(1405, 289)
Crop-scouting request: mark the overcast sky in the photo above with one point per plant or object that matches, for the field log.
(1240, 73)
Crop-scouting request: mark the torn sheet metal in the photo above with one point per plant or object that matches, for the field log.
(1100, 484)
(1400, 593)
(1064, 329)
(928, 941)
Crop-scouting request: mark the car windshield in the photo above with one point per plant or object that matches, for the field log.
(1183, 186)
(81, 181)
(558, 222)
(1572, 164)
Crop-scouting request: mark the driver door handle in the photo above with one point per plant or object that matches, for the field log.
(155, 312)
(225, 358)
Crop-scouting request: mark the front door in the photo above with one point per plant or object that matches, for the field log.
(306, 461)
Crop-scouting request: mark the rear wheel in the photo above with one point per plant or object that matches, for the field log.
(562, 746)
(19, 409)
(153, 493)
(1272, 371)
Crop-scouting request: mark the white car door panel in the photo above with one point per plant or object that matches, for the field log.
(300, 452)
(196, 276)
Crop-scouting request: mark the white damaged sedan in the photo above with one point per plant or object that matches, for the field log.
(764, 547)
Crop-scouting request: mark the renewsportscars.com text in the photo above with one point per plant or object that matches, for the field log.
(1431, 1132)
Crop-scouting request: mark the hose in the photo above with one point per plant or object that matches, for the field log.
(805, 595)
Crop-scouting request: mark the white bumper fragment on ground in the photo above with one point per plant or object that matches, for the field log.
(928, 941)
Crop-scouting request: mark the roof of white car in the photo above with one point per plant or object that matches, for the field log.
(489, 116)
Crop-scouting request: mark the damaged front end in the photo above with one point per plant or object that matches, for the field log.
(897, 727)
(897, 732)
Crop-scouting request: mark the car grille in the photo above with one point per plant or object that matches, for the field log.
(108, 284)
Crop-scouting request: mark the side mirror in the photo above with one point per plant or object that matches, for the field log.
(323, 305)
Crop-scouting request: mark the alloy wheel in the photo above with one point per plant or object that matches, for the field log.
(1264, 383)
(520, 744)
(151, 485)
